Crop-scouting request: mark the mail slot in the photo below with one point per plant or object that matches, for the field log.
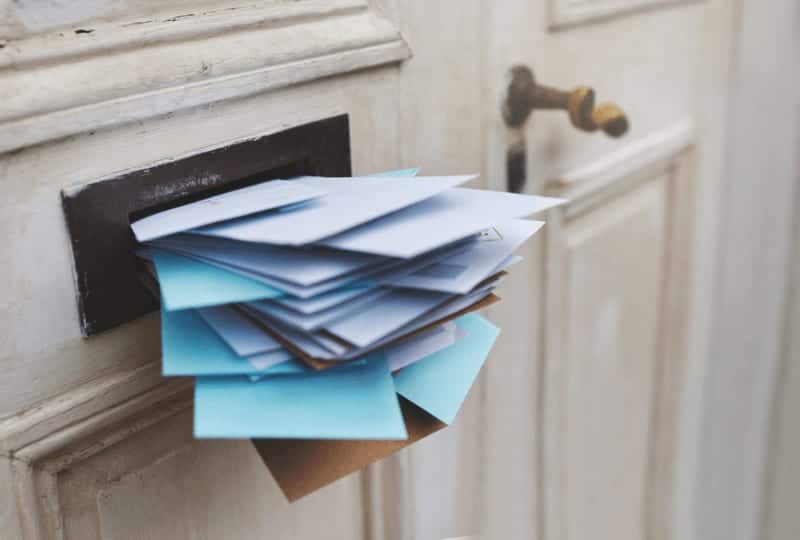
(98, 214)
(332, 321)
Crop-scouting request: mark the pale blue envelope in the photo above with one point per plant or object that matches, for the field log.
(186, 282)
(347, 402)
(189, 346)
(439, 383)
(400, 172)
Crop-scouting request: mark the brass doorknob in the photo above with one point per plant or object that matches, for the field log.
(525, 94)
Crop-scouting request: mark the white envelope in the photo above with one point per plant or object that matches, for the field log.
(459, 303)
(331, 345)
(268, 359)
(460, 273)
(320, 318)
(373, 322)
(240, 333)
(298, 338)
(374, 274)
(349, 202)
(296, 265)
(454, 214)
(414, 349)
(318, 345)
(327, 300)
(233, 204)
(432, 316)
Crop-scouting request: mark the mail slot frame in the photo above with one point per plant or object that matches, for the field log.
(105, 267)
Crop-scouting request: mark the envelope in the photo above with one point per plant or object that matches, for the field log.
(462, 271)
(308, 306)
(449, 312)
(436, 221)
(348, 202)
(186, 283)
(421, 346)
(458, 365)
(355, 401)
(324, 317)
(303, 466)
(393, 311)
(205, 352)
(302, 267)
(368, 276)
(267, 195)
(241, 334)
(399, 172)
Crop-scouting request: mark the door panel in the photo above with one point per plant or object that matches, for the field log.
(615, 344)
(611, 345)
(612, 294)
(160, 483)
(569, 433)
(81, 418)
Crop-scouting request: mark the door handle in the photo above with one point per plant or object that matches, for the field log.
(525, 94)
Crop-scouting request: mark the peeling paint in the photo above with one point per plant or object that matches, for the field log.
(104, 270)
(135, 23)
(186, 185)
(179, 17)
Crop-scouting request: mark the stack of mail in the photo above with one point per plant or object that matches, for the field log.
(305, 307)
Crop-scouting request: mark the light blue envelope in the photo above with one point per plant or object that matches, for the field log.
(186, 283)
(347, 402)
(189, 346)
(439, 383)
(400, 172)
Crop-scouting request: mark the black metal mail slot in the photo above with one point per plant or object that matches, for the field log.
(98, 214)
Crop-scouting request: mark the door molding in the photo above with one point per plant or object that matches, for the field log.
(752, 272)
(665, 155)
(125, 71)
(42, 442)
(566, 13)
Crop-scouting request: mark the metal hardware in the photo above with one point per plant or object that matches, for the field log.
(106, 269)
(525, 94)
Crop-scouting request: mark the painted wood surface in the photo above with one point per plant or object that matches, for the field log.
(605, 324)
(58, 83)
(753, 281)
(782, 487)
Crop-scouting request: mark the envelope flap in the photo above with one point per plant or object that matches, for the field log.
(303, 466)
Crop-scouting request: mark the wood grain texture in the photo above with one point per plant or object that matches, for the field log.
(123, 72)
(74, 412)
(441, 120)
(100, 473)
(781, 520)
(568, 13)
(302, 466)
(613, 385)
(37, 285)
(752, 278)
(440, 111)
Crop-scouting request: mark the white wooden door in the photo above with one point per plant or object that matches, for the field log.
(583, 424)
(95, 443)
(571, 431)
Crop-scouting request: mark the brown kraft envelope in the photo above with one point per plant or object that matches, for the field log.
(301, 466)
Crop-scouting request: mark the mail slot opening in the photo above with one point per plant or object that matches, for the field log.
(98, 214)
(298, 168)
